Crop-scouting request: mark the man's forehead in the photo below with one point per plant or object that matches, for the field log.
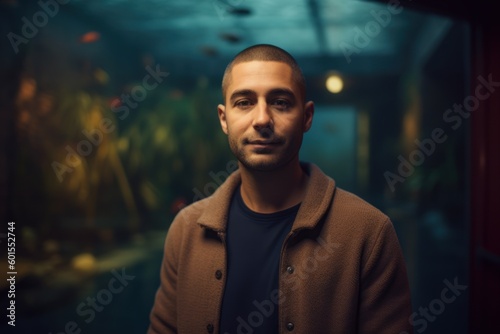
(261, 73)
(261, 66)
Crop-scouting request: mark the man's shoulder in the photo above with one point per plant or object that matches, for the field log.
(355, 210)
(210, 211)
(351, 200)
(191, 213)
(185, 225)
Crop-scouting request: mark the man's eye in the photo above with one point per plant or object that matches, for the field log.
(243, 104)
(282, 104)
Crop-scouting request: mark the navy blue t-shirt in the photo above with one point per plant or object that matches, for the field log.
(253, 242)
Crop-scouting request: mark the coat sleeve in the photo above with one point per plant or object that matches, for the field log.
(385, 303)
(163, 317)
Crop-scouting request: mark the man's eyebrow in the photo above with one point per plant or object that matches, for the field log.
(273, 92)
(241, 92)
(282, 91)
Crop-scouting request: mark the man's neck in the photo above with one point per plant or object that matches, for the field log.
(273, 191)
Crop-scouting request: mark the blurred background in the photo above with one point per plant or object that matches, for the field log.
(109, 127)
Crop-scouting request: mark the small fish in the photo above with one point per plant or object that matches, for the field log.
(90, 37)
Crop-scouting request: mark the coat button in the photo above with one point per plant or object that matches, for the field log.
(210, 328)
(289, 269)
(218, 274)
(290, 326)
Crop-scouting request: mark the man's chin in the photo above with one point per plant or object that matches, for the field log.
(263, 164)
(264, 150)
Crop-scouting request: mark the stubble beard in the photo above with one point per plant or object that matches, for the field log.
(271, 160)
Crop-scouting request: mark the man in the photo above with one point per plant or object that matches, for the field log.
(278, 247)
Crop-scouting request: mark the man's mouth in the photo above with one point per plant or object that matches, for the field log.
(264, 142)
(264, 145)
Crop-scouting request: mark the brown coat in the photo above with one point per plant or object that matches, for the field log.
(341, 268)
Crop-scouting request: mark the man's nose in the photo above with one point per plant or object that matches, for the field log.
(262, 116)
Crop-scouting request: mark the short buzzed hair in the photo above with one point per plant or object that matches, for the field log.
(265, 52)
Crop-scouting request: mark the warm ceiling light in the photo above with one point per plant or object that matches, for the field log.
(334, 83)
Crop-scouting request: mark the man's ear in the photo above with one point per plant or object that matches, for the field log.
(308, 115)
(221, 111)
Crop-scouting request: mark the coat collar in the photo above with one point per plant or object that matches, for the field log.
(319, 193)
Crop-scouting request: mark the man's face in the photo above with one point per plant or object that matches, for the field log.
(264, 116)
